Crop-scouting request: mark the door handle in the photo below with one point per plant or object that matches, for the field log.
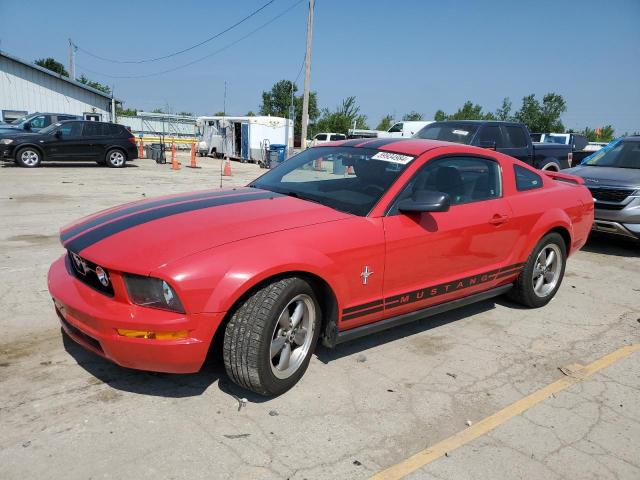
(499, 219)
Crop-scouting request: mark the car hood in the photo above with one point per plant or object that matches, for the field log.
(143, 236)
(607, 176)
(15, 133)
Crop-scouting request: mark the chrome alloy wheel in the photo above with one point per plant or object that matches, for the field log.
(292, 336)
(30, 158)
(116, 158)
(546, 270)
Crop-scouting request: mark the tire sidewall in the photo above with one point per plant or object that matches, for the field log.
(107, 159)
(272, 384)
(527, 278)
(19, 157)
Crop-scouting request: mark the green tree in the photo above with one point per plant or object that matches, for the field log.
(126, 112)
(93, 84)
(276, 102)
(159, 110)
(504, 112)
(219, 114)
(250, 114)
(543, 117)
(603, 134)
(385, 123)
(186, 114)
(412, 116)
(440, 116)
(342, 119)
(53, 65)
(469, 111)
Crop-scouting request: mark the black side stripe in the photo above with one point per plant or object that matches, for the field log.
(430, 292)
(363, 313)
(72, 232)
(100, 233)
(381, 142)
(362, 307)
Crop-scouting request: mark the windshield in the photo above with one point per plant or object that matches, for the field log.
(348, 179)
(625, 154)
(449, 132)
(22, 119)
(49, 129)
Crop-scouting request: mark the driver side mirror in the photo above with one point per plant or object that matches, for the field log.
(58, 134)
(26, 125)
(425, 201)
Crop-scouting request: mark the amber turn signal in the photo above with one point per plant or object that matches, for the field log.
(153, 335)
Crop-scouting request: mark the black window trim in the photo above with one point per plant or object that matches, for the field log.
(515, 179)
(392, 208)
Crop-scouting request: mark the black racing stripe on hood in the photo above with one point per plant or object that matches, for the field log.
(72, 232)
(100, 233)
(382, 142)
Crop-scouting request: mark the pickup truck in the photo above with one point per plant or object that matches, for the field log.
(404, 129)
(36, 122)
(509, 138)
(580, 144)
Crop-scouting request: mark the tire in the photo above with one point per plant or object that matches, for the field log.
(262, 324)
(28, 157)
(115, 158)
(527, 289)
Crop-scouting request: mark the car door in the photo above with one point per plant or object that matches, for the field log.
(93, 140)
(516, 144)
(439, 256)
(64, 143)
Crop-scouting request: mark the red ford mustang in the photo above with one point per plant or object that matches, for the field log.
(340, 241)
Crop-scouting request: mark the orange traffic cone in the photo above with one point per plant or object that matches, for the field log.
(141, 149)
(193, 156)
(350, 171)
(227, 168)
(174, 161)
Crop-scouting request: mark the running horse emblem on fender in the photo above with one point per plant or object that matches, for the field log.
(366, 273)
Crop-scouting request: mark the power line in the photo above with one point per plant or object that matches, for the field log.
(162, 72)
(155, 59)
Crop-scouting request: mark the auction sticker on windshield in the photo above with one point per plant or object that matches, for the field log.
(392, 157)
(460, 132)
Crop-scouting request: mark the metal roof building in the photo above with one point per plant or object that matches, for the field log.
(28, 88)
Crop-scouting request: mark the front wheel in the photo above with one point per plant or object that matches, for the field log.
(542, 273)
(270, 337)
(28, 157)
(115, 158)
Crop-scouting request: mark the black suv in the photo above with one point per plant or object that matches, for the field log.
(105, 143)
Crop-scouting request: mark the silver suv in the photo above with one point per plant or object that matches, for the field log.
(613, 176)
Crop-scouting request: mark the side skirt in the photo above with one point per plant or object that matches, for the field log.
(357, 332)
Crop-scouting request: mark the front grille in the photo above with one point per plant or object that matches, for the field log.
(609, 206)
(80, 334)
(85, 271)
(610, 194)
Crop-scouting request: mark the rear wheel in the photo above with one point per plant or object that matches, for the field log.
(28, 157)
(115, 158)
(270, 338)
(542, 274)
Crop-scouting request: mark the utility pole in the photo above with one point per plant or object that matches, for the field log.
(307, 79)
(72, 60)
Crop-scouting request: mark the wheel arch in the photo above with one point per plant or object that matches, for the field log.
(19, 148)
(325, 295)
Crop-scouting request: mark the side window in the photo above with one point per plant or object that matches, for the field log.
(62, 118)
(491, 134)
(464, 179)
(333, 138)
(396, 128)
(90, 129)
(114, 130)
(517, 137)
(321, 136)
(526, 179)
(70, 130)
(40, 122)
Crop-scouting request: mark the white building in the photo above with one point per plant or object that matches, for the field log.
(27, 88)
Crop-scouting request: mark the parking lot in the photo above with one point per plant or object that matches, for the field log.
(491, 390)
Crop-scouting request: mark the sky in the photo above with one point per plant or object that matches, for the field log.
(393, 56)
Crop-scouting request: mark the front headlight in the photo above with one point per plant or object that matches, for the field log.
(152, 292)
(6, 141)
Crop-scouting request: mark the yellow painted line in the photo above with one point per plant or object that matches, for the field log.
(574, 374)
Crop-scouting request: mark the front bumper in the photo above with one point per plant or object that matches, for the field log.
(6, 151)
(91, 318)
(631, 230)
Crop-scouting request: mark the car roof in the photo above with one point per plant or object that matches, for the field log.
(477, 122)
(407, 146)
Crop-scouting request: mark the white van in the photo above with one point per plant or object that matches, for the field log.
(406, 129)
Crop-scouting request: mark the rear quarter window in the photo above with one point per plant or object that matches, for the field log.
(526, 179)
